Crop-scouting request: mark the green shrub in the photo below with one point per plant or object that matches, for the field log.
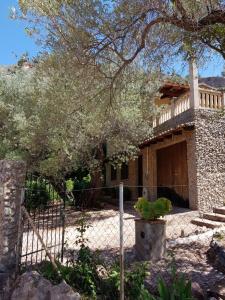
(179, 287)
(39, 193)
(75, 189)
(133, 283)
(152, 210)
(81, 275)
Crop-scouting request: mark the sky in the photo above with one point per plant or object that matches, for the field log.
(14, 42)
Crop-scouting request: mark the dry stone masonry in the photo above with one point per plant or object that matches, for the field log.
(12, 178)
(210, 158)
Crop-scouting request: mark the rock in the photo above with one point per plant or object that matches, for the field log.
(102, 272)
(63, 291)
(216, 255)
(32, 286)
(197, 291)
(218, 291)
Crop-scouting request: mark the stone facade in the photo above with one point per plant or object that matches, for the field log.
(12, 178)
(210, 158)
(205, 157)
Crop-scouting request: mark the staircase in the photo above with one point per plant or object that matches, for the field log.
(212, 220)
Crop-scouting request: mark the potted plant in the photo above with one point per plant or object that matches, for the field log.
(150, 229)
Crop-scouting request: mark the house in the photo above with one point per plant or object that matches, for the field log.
(185, 158)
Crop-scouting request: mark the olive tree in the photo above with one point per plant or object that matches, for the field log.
(122, 31)
(58, 116)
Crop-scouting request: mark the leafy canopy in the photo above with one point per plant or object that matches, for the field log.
(58, 115)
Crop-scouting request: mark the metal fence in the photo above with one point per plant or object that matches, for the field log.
(44, 225)
(107, 219)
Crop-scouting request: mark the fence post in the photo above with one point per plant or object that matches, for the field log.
(121, 242)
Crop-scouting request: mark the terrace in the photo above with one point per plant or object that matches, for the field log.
(208, 98)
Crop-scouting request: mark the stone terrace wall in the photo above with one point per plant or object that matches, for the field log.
(12, 178)
(210, 158)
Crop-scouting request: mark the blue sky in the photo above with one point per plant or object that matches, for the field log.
(15, 42)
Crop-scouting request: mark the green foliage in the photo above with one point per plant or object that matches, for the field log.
(178, 289)
(39, 193)
(82, 183)
(55, 139)
(134, 282)
(153, 210)
(69, 185)
(83, 277)
(79, 181)
(82, 274)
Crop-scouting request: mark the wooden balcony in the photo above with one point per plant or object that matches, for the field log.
(208, 99)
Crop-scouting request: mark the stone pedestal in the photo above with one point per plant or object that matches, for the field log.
(150, 239)
(12, 179)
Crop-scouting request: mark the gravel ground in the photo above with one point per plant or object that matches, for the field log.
(191, 260)
(103, 235)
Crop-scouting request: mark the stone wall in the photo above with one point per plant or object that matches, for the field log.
(210, 158)
(12, 178)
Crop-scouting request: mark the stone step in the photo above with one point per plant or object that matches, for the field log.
(219, 210)
(214, 217)
(207, 223)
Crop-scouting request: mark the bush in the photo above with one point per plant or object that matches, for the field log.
(152, 210)
(179, 287)
(75, 188)
(84, 278)
(39, 193)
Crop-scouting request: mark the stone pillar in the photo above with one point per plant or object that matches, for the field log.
(194, 93)
(12, 179)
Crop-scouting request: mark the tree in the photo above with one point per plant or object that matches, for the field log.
(58, 117)
(123, 31)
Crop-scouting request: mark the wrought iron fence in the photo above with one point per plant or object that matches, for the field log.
(46, 223)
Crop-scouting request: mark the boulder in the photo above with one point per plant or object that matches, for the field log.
(218, 291)
(216, 255)
(32, 286)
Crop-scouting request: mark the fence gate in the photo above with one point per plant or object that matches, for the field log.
(46, 210)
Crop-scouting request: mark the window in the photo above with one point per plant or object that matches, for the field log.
(124, 171)
(113, 173)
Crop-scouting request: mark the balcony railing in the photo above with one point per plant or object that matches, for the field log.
(211, 99)
(207, 100)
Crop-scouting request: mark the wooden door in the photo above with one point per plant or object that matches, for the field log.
(172, 173)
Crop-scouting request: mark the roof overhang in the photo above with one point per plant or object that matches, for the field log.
(170, 89)
(168, 134)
